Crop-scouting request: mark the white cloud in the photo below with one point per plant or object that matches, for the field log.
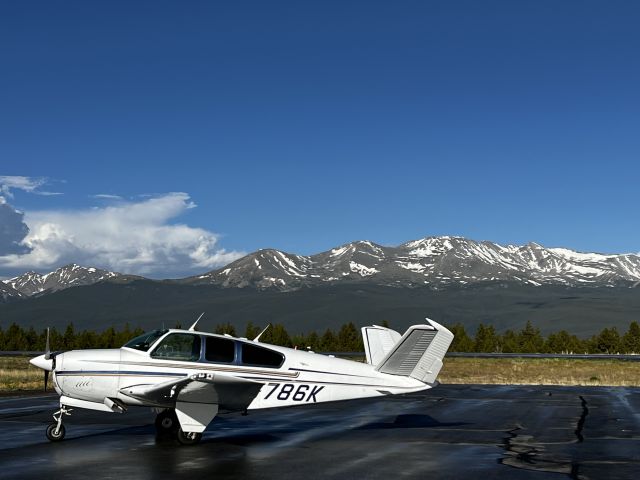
(28, 184)
(106, 196)
(136, 237)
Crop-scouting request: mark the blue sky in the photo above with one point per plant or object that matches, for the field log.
(305, 125)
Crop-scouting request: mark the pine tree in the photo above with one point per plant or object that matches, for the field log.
(608, 341)
(312, 341)
(563, 342)
(461, 341)
(15, 338)
(69, 338)
(108, 338)
(509, 342)
(530, 340)
(485, 340)
(348, 338)
(251, 331)
(88, 339)
(280, 336)
(227, 328)
(328, 341)
(631, 339)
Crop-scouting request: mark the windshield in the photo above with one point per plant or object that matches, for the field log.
(146, 340)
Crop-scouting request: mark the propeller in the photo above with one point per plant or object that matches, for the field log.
(48, 355)
(46, 361)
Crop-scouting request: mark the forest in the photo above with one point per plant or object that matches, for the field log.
(347, 338)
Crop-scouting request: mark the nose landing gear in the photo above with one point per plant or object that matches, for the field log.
(56, 430)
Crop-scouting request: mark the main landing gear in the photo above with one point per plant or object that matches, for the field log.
(55, 430)
(168, 426)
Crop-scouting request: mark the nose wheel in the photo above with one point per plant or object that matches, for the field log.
(56, 430)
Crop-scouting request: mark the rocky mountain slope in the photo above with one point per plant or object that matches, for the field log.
(432, 262)
(72, 275)
(436, 262)
(8, 293)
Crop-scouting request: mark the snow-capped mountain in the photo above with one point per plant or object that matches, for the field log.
(32, 283)
(8, 293)
(432, 261)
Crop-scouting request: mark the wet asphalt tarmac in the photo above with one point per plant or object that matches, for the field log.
(452, 431)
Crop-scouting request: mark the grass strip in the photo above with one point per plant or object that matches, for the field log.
(16, 373)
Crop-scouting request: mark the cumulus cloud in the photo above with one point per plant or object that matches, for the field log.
(13, 230)
(130, 237)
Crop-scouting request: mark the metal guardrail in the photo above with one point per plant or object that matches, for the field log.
(4, 353)
(571, 356)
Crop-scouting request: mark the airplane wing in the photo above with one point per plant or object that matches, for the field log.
(198, 397)
(229, 393)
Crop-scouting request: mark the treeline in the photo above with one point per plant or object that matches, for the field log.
(345, 339)
(15, 338)
(529, 340)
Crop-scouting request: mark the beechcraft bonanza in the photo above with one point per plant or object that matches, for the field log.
(188, 376)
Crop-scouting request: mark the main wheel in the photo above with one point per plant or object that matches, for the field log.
(166, 421)
(188, 438)
(54, 436)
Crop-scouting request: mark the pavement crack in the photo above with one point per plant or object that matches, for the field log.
(524, 451)
(583, 418)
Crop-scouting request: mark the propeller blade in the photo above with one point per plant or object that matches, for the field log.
(46, 379)
(47, 350)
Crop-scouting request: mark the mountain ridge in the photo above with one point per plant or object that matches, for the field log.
(72, 275)
(434, 262)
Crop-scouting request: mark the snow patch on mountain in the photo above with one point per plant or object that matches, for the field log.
(436, 262)
(33, 283)
(362, 270)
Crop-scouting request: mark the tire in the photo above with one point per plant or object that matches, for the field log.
(166, 422)
(51, 432)
(190, 438)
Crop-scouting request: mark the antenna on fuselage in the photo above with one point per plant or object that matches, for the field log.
(192, 328)
(257, 339)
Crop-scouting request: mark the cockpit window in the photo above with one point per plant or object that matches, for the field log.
(220, 350)
(261, 357)
(145, 341)
(179, 346)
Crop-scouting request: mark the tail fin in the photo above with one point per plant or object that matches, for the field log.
(378, 341)
(419, 353)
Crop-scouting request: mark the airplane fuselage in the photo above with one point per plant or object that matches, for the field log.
(303, 378)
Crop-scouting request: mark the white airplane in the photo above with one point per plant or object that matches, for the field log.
(189, 376)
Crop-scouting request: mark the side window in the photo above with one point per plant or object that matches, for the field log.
(220, 350)
(260, 357)
(179, 346)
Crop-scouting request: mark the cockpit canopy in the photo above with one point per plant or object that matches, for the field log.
(193, 347)
(145, 341)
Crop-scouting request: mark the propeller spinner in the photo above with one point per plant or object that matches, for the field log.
(46, 362)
